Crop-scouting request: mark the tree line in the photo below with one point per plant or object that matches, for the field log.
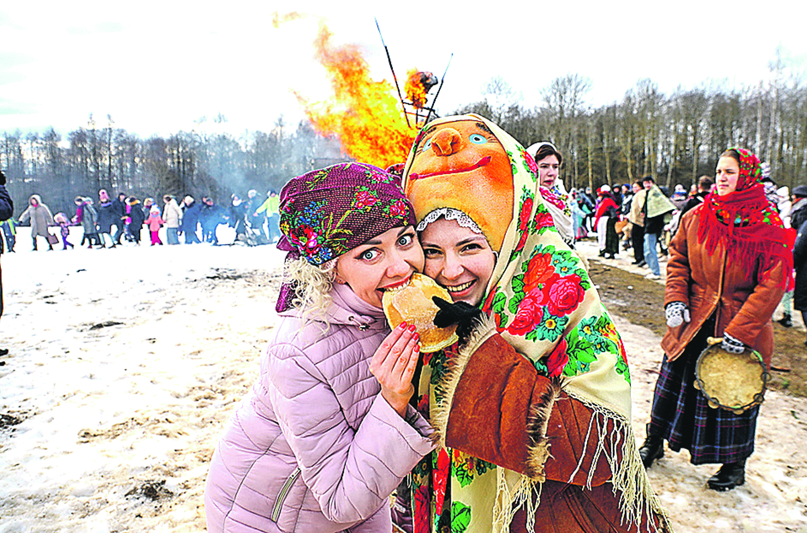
(676, 138)
(199, 163)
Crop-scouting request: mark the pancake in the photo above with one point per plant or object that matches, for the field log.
(413, 304)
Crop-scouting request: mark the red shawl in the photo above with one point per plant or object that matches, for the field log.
(746, 223)
(606, 202)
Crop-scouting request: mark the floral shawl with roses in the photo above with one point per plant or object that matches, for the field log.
(546, 307)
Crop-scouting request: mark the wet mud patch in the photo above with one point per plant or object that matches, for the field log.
(641, 301)
(151, 489)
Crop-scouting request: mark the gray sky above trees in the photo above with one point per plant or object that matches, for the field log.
(159, 67)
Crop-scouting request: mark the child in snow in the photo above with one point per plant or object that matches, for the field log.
(154, 222)
(64, 229)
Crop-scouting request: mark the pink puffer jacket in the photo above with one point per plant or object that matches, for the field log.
(314, 447)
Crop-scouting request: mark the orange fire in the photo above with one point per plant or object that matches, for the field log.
(364, 114)
(414, 88)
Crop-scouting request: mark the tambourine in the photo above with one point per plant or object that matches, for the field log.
(735, 382)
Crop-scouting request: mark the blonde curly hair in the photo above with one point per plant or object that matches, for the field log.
(313, 285)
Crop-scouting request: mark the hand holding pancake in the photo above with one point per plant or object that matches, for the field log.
(393, 365)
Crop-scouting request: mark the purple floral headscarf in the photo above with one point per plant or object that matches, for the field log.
(327, 212)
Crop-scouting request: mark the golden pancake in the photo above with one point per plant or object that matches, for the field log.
(413, 304)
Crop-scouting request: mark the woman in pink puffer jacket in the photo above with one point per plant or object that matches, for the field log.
(327, 432)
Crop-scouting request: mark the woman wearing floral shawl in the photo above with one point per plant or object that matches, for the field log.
(729, 264)
(533, 411)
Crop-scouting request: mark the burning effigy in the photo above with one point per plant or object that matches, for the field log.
(367, 116)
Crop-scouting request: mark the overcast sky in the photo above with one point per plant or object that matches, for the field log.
(158, 67)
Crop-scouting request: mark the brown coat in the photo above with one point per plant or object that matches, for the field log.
(501, 410)
(712, 284)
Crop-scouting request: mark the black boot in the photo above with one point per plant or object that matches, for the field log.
(652, 449)
(729, 476)
(786, 321)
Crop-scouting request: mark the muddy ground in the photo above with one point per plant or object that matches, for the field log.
(639, 300)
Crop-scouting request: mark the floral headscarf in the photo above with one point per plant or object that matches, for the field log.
(746, 223)
(327, 212)
(547, 308)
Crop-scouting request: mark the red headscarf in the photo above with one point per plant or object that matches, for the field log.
(745, 221)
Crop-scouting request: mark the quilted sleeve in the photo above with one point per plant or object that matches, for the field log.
(350, 472)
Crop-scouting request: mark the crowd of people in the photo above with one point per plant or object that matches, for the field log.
(641, 218)
(524, 424)
(111, 222)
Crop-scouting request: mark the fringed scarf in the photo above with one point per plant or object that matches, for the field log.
(746, 223)
(547, 308)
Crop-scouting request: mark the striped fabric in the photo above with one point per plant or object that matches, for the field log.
(682, 415)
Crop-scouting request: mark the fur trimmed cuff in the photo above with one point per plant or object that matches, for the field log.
(537, 424)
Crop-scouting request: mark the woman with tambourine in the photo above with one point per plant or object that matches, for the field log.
(728, 267)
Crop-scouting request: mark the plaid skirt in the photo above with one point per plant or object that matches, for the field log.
(682, 415)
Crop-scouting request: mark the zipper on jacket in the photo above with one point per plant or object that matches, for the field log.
(284, 491)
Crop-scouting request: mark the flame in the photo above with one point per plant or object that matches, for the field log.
(364, 114)
(414, 88)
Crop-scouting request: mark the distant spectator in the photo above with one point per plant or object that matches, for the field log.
(6, 211)
(9, 228)
(40, 216)
(154, 223)
(190, 219)
(107, 216)
(87, 216)
(119, 210)
(256, 219)
(271, 207)
(656, 207)
(636, 218)
(172, 215)
(605, 221)
(64, 229)
(211, 216)
(238, 217)
(136, 218)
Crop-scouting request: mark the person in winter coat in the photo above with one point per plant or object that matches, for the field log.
(655, 208)
(556, 199)
(87, 216)
(605, 219)
(255, 219)
(136, 218)
(535, 399)
(6, 212)
(172, 215)
(64, 229)
(190, 220)
(729, 265)
(9, 228)
(327, 432)
(107, 217)
(238, 217)
(40, 216)
(798, 217)
(210, 217)
(120, 211)
(269, 209)
(154, 223)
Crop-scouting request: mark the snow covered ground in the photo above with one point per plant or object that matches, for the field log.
(124, 365)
